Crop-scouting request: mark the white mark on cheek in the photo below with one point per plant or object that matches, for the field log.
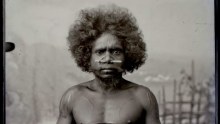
(117, 61)
(97, 61)
(113, 61)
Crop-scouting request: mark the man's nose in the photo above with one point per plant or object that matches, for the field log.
(107, 58)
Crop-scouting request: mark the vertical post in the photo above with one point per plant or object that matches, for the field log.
(180, 104)
(191, 108)
(159, 99)
(199, 106)
(174, 101)
(164, 105)
(192, 93)
(193, 72)
(207, 107)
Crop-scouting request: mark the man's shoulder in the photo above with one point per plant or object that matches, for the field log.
(142, 90)
(74, 91)
(139, 89)
(144, 95)
(79, 88)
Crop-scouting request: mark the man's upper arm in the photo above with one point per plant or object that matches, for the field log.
(64, 120)
(65, 112)
(150, 103)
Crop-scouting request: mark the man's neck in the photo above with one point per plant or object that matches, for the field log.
(108, 84)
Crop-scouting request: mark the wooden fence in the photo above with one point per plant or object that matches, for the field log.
(188, 107)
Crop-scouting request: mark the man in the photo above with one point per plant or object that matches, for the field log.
(107, 42)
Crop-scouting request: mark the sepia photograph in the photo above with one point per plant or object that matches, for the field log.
(110, 62)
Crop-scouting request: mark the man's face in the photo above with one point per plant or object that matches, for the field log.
(107, 56)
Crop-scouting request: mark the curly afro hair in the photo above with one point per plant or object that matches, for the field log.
(118, 21)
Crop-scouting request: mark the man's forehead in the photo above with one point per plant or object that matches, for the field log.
(107, 41)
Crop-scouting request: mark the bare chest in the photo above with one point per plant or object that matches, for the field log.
(121, 109)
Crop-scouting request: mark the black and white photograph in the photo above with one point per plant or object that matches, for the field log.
(110, 62)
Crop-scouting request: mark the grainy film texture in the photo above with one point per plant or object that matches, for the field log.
(179, 70)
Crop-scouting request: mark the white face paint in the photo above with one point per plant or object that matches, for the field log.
(107, 56)
(113, 61)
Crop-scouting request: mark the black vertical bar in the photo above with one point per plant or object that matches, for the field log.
(217, 30)
(2, 108)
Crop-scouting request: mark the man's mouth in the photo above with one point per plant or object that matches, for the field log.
(108, 70)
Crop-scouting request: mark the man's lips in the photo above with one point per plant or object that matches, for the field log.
(108, 70)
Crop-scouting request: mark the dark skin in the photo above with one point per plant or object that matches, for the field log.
(108, 98)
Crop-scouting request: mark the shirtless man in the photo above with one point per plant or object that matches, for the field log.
(107, 42)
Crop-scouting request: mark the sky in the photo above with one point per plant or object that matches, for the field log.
(176, 27)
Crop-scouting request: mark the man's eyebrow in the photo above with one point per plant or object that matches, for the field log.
(116, 48)
(110, 48)
(100, 49)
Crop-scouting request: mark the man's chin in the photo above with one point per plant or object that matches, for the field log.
(110, 81)
(110, 76)
(107, 77)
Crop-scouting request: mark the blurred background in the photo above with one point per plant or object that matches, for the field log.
(180, 68)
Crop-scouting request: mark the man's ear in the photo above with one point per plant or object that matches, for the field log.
(90, 69)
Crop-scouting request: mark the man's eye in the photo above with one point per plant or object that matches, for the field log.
(116, 52)
(99, 52)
